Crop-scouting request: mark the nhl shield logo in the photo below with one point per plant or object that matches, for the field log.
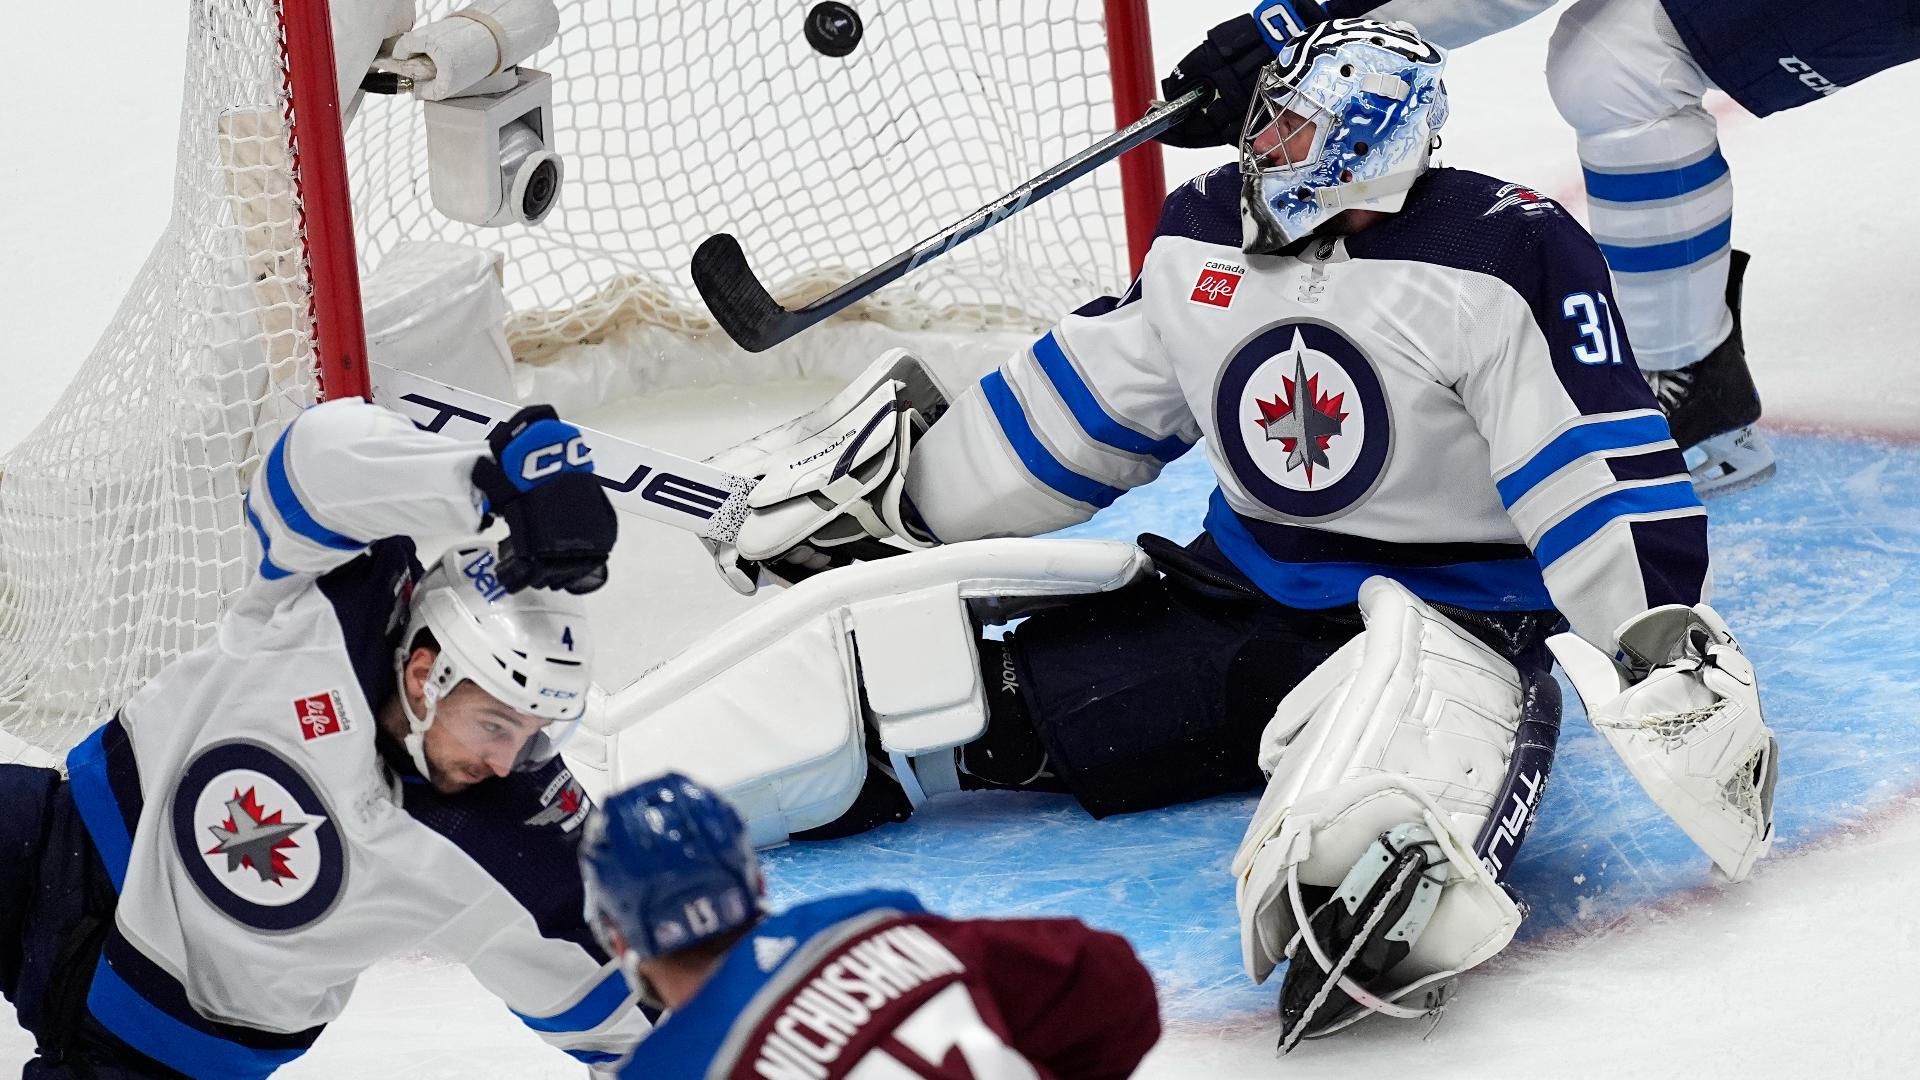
(1302, 420)
(256, 839)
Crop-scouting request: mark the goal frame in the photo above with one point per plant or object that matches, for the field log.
(320, 175)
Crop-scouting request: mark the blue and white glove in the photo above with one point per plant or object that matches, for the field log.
(1229, 63)
(560, 526)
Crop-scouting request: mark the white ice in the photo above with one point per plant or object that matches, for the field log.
(1806, 970)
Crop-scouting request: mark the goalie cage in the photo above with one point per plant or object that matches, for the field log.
(122, 534)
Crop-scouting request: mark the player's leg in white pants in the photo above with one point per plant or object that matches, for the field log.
(1660, 197)
(1660, 201)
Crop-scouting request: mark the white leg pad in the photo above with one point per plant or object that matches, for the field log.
(1413, 720)
(771, 708)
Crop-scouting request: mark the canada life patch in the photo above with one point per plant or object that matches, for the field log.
(1217, 283)
(1303, 420)
(256, 839)
(321, 715)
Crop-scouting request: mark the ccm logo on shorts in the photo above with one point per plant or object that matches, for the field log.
(321, 714)
(1217, 283)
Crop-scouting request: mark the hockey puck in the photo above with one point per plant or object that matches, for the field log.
(833, 28)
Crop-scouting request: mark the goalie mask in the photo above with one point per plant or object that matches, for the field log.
(1343, 119)
(530, 650)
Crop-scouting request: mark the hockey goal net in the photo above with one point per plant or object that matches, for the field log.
(122, 532)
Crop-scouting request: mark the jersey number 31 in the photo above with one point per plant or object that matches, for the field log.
(1599, 338)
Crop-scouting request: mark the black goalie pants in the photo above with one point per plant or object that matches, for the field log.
(1157, 693)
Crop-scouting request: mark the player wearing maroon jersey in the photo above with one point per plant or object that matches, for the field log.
(862, 986)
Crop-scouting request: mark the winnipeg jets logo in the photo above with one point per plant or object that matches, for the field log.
(563, 803)
(255, 837)
(1303, 420)
(1528, 200)
(256, 840)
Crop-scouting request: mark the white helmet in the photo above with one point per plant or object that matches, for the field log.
(531, 650)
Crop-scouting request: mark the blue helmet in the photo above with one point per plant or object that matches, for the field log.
(668, 864)
(1372, 94)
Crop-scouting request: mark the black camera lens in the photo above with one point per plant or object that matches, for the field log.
(542, 188)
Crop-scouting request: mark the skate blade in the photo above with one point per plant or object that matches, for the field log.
(1730, 462)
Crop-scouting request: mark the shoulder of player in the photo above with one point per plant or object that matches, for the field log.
(1480, 224)
(1205, 208)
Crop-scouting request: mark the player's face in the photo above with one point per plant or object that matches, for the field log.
(474, 737)
(1286, 141)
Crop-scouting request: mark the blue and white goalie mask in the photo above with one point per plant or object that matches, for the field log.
(1343, 119)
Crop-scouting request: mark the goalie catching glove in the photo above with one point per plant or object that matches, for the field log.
(831, 483)
(560, 526)
(1683, 712)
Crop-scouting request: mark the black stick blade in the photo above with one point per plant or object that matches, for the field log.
(739, 303)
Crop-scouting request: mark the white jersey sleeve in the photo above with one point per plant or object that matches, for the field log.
(1056, 432)
(1582, 459)
(347, 473)
(1447, 23)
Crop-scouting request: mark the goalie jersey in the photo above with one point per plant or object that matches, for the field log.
(870, 985)
(1446, 398)
(264, 854)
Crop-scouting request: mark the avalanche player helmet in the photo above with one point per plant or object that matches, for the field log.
(1372, 93)
(531, 650)
(669, 865)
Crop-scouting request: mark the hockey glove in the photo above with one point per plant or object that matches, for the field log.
(1683, 712)
(1228, 62)
(560, 526)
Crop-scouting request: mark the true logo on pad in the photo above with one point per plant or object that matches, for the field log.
(1218, 281)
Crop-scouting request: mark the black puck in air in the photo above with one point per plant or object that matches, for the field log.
(833, 28)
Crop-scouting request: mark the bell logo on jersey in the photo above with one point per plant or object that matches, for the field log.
(1302, 420)
(255, 838)
(321, 715)
(1217, 283)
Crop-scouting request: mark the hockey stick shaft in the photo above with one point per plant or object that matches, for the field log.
(755, 320)
(685, 494)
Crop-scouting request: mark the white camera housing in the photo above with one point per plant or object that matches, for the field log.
(489, 156)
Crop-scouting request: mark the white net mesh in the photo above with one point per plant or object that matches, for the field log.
(682, 118)
(121, 528)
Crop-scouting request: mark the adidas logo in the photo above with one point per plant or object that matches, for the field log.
(768, 952)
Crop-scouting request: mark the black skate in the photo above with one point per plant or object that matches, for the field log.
(1360, 933)
(1712, 405)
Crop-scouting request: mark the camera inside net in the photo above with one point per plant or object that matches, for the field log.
(489, 156)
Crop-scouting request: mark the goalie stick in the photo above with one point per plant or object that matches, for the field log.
(699, 498)
(756, 321)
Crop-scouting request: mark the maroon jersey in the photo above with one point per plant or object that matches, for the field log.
(870, 987)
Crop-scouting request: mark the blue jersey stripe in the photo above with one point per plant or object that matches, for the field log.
(267, 568)
(1577, 442)
(149, 1029)
(1671, 255)
(1660, 184)
(1087, 411)
(1489, 585)
(99, 810)
(590, 1011)
(1581, 525)
(1039, 461)
(286, 502)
